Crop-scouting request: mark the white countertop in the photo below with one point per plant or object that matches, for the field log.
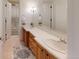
(49, 42)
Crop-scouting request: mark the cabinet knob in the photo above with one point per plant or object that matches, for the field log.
(47, 54)
(42, 50)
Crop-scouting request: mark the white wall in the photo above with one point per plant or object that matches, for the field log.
(1, 26)
(73, 18)
(60, 15)
(6, 26)
(8, 18)
(1, 16)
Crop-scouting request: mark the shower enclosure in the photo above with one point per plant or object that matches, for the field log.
(11, 20)
(15, 19)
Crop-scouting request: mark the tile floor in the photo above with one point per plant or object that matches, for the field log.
(14, 49)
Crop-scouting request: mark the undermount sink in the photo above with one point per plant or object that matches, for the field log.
(51, 41)
(56, 45)
(44, 34)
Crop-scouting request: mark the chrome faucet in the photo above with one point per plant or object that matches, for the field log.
(32, 24)
(63, 41)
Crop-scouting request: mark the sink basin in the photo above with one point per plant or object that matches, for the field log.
(51, 41)
(42, 34)
(56, 45)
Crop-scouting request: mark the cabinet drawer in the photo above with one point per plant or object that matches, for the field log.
(41, 53)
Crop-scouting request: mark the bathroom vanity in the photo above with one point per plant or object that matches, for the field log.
(38, 50)
(39, 39)
(25, 36)
(39, 42)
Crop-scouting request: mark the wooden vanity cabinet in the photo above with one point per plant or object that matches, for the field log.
(33, 45)
(41, 53)
(25, 37)
(36, 48)
(44, 54)
(49, 56)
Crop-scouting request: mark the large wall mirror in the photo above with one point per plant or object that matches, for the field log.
(48, 15)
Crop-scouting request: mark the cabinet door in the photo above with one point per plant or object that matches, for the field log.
(33, 46)
(23, 35)
(26, 38)
(49, 56)
(41, 53)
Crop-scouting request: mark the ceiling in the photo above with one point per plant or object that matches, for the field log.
(17, 1)
(14, 1)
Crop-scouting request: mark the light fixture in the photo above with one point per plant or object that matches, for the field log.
(31, 8)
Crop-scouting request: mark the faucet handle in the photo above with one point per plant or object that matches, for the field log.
(63, 40)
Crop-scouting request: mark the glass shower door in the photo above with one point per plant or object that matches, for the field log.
(15, 19)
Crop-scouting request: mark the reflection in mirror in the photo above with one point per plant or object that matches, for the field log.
(48, 19)
(48, 15)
